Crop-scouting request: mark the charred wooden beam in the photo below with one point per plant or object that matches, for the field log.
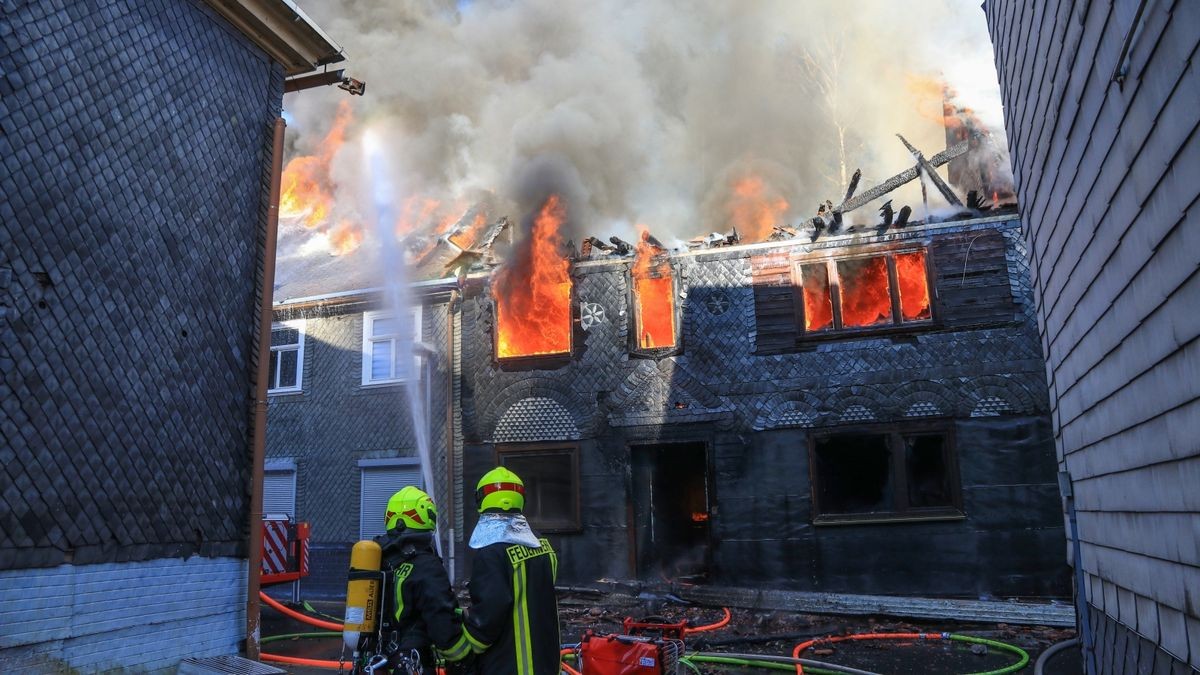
(621, 246)
(853, 185)
(899, 179)
(886, 213)
(940, 184)
(902, 217)
(597, 243)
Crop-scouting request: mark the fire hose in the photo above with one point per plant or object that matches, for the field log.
(1002, 646)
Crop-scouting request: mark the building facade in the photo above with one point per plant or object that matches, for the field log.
(137, 152)
(1101, 111)
(769, 444)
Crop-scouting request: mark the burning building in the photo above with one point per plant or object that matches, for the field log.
(788, 414)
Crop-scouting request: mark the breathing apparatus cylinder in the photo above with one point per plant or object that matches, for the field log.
(362, 592)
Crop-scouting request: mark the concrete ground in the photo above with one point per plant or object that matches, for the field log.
(758, 632)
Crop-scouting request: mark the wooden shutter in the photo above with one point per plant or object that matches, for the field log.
(774, 303)
(379, 483)
(972, 278)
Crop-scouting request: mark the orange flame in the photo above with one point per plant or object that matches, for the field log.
(654, 295)
(818, 305)
(914, 287)
(866, 298)
(306, 188)
(755, 209)
(470, 235)
(533, 291)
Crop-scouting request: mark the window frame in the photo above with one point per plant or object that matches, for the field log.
(574, 523)
(634, 317)
(299, 325)
(901, 512)
(368, 322)
(838, 330)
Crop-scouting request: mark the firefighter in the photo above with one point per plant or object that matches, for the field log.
(513, 620)
(419, 610)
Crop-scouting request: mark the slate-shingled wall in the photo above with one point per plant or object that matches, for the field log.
(1106, 174)
(135, 144)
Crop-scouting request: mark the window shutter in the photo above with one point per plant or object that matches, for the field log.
(279, 493)
(774, 303)
(379, 483)
(972, 278)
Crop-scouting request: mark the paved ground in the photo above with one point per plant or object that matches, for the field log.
(754, 632)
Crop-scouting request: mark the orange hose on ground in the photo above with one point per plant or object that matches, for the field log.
(712, 626)
(304, 618)
(863, 636)
(314, 663)
(569, 669)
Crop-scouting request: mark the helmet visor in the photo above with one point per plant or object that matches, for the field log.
(491, 488)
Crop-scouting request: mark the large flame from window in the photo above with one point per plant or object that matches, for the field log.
(912, 279)
(755, 208)
(653, 294)
(533, 291)
(866, 298)
(818, 306)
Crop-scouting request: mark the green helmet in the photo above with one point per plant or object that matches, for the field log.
(410, 508)
(500, 490)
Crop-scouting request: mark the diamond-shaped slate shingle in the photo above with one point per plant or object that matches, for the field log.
(535, 419)
(991, 406)
(135, 142)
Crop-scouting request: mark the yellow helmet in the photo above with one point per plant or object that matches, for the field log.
(410, 508)
(500, 489)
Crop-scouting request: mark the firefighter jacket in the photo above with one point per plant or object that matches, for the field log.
(513, 619)
(419, 609)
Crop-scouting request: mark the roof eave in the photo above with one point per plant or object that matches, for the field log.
(283, 31)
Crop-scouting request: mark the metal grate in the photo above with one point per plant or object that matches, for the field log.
(229, 665)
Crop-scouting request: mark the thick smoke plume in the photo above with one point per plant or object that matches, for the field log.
(662, 112)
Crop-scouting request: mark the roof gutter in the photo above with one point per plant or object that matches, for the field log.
(429, 286)
(283, 31)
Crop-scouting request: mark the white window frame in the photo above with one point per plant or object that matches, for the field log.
(369, 319)
(375, 515)
(299, 325)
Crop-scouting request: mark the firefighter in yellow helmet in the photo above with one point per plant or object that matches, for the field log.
(419, 609)
(513, 620)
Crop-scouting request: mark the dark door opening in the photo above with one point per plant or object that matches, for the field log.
(671, 511)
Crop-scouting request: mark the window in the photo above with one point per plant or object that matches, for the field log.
(876, 475)
(865, 293)
(551, 478)
(279, 488)
(287, 357)
(383, 346)
(382, 478)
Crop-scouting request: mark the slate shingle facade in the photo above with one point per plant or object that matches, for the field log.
(1105, 153)
(135, 139)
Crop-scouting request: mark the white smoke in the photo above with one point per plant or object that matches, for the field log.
(648, 110)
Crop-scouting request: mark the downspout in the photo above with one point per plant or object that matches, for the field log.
(260, 396)
(450, 308)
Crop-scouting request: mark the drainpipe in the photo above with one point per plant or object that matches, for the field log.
(260, 397)
(450, 309)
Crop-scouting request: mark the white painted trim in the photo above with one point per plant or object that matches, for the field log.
(430, 284)
(280, 464)
(368, 321)
(300, 325)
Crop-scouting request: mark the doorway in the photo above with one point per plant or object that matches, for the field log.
(671, 511)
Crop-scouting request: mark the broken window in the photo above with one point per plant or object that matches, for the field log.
(551, 478)
(866, 292)
(874, 475)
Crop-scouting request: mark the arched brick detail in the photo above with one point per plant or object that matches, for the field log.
(995, 394)
(778, 411)
(858, 403)
(581, 412)
(926, 398)
(536, 418)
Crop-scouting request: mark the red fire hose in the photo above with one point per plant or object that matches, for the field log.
(716, 625)
(303, 618)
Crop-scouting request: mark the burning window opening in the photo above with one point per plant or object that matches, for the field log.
(532, 291)
(653, 295)
(865, 296)
(882, 475)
